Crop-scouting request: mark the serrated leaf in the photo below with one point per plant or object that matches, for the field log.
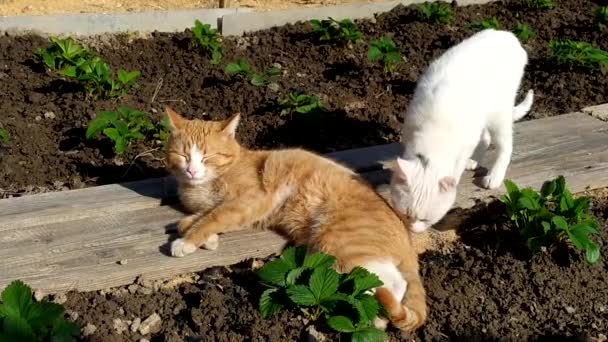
(323, 283)
(301, 295)
(216, 57)
(527, 203)
(368, 282)
(269, 305)
(16, 299)
(578, 239)
(232, 69)
(258, 80)
(120, 145)
(289, 256)
(112, 133)
(16, 328)
(580, 205)
(42, 314)
(341, 324)
(274, 272)
(560, 222)
(370, 334)
(368, 305)
(587, 227)
(546, 226)
(64, 331)
(592, 254)
(293, 275)
(319, 260)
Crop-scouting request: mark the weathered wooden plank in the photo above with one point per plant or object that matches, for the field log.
(84, 254)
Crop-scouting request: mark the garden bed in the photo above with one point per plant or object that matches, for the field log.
(46, 117)
(487, 288)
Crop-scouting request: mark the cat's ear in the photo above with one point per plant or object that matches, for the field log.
(231, 125)
(176, 121)
(447, 184)
(404, 169)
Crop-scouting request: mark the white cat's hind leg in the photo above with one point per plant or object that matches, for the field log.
(480, 150)
(502, 135)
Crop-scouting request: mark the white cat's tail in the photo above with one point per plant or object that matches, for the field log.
(524, 106)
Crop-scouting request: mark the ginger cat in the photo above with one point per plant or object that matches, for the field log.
(308, 198)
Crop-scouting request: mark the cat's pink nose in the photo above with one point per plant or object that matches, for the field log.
(191, 172)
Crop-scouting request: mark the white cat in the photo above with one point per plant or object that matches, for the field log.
(464, 100)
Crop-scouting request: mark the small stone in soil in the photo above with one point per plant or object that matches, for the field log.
(60, 298)
(150, 324)
(132, 288)
(38, 118)
(38, 295)
(120, 326)
(73, 314)
(123, 262)
(570, 309)
(49, 115)
(89, 329)
(135, 325)
(312, 335)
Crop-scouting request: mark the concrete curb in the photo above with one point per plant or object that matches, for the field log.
(87, 24)
(231, 21)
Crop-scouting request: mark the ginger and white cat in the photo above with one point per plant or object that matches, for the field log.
(310, 199)
(463, 101)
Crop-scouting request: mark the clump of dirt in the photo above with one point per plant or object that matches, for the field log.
(46, 117)
(487, 288)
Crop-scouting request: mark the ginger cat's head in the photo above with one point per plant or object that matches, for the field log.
(199, 151)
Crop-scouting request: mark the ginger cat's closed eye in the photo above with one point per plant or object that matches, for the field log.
(310, 199)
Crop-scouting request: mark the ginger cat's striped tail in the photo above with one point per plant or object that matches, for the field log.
(410, 315)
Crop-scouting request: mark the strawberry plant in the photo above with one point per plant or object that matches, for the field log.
(541, 4)
(121, 126)
(70, 60)
(298, 102)
(384, 50)
(578, 54)
(436, 12)
(209, 40)
(488, 23)
(243, 69)
(3, 135)
(331, 30)
(523, 32)
(161, 132)
(308, 282)
(601, 17)
(551, 215)
(61, 53)
(25, 320)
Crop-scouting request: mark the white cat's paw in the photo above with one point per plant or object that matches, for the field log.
(490, 182)
(180, 248)
(212, 242)
(471, 165)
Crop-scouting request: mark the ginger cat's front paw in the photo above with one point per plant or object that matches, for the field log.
(410, 321)
(212, 242)
(185, 223)
(181, 248)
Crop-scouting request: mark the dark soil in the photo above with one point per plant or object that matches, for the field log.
(364, 106)
(486, 289)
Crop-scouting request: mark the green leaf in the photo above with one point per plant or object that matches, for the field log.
(274, 272)
(341, 324)
(511, 187)
(324, 282)
(258, 80)
(4, 135)
(42, 314)
(16, 299)
(216, 57)
(580, 205)
(16, 328)
(548, 188)
(319, 260)
(112, 133)
(586, 227)
(64, 331)
(527, 203)
(374, 53)
(578, 239)
(293, 275)
(368, 307)
(301, 295)
(370, 334)
(560, 223)
(546, 226)
(120, 145)
(269, 305)
(592, 254)
(369, 281)
(100, 122)
(49, 60)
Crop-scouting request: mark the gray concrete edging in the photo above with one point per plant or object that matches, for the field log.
(231, 21)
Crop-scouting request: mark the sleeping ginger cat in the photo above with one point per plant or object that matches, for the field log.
(308, 198)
